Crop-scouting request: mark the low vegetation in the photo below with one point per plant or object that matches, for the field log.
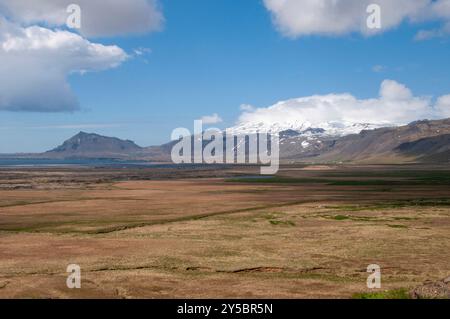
(401, 293)
(297, 236)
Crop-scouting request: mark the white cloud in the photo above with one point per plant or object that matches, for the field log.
(441, 8)
(442, 32)
(379, 68)
(35, 64)
(37, 55)
(443, 105)
(246, 107)
(395, 105)
(99, 18)
(393, 91)
(142, 51)
(295, 18)
(211, 119)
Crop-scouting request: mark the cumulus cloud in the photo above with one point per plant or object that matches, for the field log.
(211, 119)
(443, 106)
(395, 105)
(35, 64)
(99, 18)
(296, 18)
(38, 51)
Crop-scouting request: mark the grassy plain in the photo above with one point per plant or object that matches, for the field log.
(309, 232)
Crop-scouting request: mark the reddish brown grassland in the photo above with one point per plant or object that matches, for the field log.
(309, 232)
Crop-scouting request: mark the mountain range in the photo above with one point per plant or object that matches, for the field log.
(420, 141)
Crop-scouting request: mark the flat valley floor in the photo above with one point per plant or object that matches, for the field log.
(222, 232)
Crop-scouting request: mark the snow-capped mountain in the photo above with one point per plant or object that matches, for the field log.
(300, 137)
(305, 128)
(425, 140)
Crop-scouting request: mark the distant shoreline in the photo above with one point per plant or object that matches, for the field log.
(41, 162)
(112, 163)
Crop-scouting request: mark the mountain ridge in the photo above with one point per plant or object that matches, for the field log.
(382, 144)
(419, 141)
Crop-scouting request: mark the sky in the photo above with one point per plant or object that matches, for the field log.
(141, 68)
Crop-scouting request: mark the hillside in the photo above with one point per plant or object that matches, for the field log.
(417, 141)
(88, 145)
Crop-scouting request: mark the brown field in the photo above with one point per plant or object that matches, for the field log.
(205, 233)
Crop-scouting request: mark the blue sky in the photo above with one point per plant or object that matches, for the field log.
(211, 57)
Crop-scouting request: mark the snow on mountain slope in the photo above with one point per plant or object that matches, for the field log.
(297, 137)
(305, 128)
(304, 133)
